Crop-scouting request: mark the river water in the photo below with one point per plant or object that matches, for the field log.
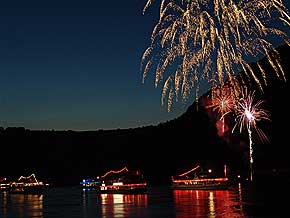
(159, 202)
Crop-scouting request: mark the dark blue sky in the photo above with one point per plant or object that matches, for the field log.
(71, 64)
(75, 65)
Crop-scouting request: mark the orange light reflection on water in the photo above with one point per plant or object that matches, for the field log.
(207, 203)
(22, 204)
(120, 205)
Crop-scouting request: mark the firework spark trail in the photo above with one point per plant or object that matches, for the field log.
(248, 114)
(194, 38)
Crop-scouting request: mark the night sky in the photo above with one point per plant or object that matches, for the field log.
(75, 65)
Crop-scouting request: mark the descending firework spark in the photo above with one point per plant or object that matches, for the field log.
(194, 38)
(248, 114)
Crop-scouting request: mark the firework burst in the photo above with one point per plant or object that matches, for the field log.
(248, 114)
(201, 40)
(222, 102)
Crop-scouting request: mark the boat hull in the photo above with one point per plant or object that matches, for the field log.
(200, 187)
(123, 189)
(27, 190)
(202, 184)
(131, 191)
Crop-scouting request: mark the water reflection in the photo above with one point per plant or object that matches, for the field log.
(72, 202)
(122, 205)
(4, 204)
(21, 206)
(207, 203)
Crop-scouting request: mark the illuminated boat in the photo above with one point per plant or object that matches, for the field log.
(123, 182)
(4, 184)
(191, 180)
(27, 185)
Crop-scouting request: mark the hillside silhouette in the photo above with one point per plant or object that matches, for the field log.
(159, 151)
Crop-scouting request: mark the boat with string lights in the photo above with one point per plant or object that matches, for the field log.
(122, 181)
(27, 185)
(196, 179)
(4, 184)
